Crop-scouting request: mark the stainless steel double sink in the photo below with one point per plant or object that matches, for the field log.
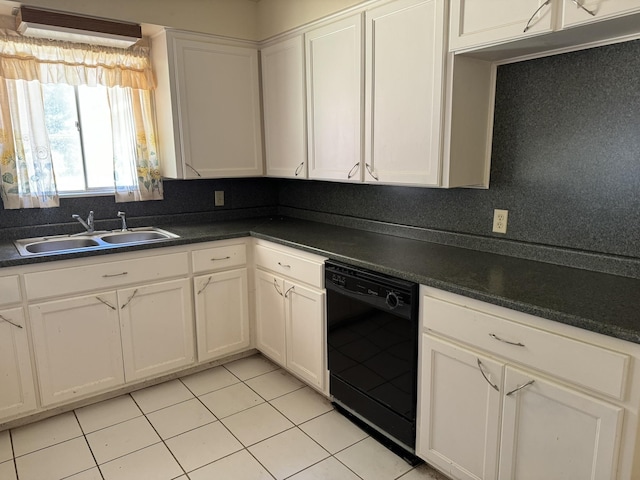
(28, 247)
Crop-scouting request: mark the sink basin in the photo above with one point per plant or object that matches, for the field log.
(135, 237)
(99, 240)
(48, 246)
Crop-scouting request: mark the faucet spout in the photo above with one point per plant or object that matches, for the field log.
(88, 225)
(123, 216)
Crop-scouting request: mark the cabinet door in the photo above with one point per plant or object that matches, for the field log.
(219, 109)
(222, 313)
(459, 410)
(305, 333)
(77, 346)
(573, 14)
(334, 100)
(476, 23)
(270, 324)
(283, 98)
(404, 81)
(555, 433)
(17, 393)
(157, 328)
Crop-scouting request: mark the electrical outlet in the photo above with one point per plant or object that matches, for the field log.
(219, 198)
(500, 221)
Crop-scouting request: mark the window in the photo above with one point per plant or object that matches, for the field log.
(78, 121)
(75, 120)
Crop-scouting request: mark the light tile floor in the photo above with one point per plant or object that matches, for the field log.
(245, 420)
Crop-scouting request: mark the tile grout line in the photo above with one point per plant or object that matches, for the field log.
(184, 472)
(84, 435)
(13, 454)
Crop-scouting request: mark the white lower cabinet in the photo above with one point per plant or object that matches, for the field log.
(77, 346)
(270, 312)
(95, 342)
(548, 431)
(304, 318)
(17, 394)
(222, 313)
(157, 328)
(290, 326)
(485, 415)
(290, 311)
(553, 432)
(459, 424)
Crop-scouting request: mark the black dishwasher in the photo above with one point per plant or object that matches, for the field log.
(372, 337)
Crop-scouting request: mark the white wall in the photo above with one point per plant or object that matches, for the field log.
(244, 19)
(277, 16)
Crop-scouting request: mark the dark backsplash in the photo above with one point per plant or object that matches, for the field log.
(565, 163)
(244, 197)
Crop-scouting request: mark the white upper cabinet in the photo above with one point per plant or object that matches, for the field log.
(283, 99)
(579, 12)
(208, 106)
(475, 22)
(334, 100)
(425, 123)
(489, 23)
(404, 85)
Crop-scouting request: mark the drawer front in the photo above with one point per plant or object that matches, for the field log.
(219, 258)
(584, 364)
(292, 266)
(9, 290)
(100, 276)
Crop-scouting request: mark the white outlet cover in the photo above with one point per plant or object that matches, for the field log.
(500, 218)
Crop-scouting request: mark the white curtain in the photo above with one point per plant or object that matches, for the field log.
(133, 138)
(28, 179)
(26, 166)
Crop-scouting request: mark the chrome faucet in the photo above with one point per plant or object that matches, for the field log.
(88, 225)
(123, 216)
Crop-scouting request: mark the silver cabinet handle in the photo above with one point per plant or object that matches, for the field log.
(284, 265)
(495, 387)
(286, 294)
(528, 25)
(530, 382)
(275, 284)
(196, 171)
(495, 337)
(110, 275)
(299, 169)
(205, 286)
(106, 303)
(590, 12)
(5, 319)
(130, 298)
(220, 259)
(370, 172)
(353, 170)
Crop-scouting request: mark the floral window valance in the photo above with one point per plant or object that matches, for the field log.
(50, 61)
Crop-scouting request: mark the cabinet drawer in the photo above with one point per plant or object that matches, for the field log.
(584, 364)
(219, 258)
(100, 276)
(9, 290)
(284, 263)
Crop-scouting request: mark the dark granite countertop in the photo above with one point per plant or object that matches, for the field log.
(603, 303)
